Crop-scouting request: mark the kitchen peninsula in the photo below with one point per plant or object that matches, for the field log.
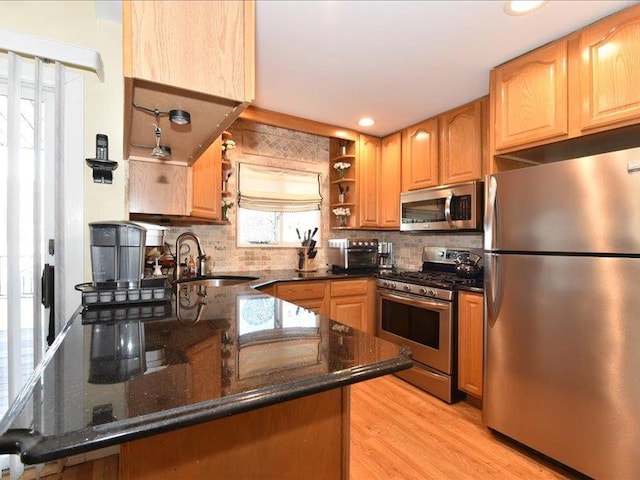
(246, 386)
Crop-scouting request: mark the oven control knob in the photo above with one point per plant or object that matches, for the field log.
(392, 285)
(431, 291)
(407, 288)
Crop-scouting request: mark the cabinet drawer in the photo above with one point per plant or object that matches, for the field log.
(341, 288)
(300, 290)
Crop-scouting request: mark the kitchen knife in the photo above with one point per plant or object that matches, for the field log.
(315, 230)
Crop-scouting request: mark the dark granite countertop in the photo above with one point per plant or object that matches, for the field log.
(226, 350)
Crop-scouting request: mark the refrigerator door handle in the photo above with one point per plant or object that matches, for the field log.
(491, 212)
(493, 287)
(447, 210)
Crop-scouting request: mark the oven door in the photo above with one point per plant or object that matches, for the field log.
(423, 324)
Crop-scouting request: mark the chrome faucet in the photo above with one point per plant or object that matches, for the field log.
(202, 256)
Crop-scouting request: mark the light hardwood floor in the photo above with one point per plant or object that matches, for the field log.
(399, 432)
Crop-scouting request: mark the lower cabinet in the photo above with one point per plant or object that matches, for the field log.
(470, 343)
(310, 295)
(352, 303)
(348, 301)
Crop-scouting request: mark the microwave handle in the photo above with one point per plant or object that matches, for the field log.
(447, 210)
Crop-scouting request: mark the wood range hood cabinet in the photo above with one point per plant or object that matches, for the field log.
(187, 55)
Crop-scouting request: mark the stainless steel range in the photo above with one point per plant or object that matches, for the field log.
(419, 309)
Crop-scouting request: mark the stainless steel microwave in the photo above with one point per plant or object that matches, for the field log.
(438, 209)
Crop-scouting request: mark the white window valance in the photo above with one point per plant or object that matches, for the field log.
(278, 190)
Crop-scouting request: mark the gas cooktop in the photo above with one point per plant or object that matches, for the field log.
(446, 280)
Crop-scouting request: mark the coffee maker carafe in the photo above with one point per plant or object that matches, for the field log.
(117, 254)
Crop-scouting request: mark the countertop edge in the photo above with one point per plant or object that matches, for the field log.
(96, 437)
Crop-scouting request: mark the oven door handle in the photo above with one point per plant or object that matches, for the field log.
(447, 209)
(418, 302)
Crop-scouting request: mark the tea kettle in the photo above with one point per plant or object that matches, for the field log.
(467, 267)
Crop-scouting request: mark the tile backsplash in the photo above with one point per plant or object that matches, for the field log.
(279, 147)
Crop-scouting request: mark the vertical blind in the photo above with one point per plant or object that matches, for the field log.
(27, 109)
(278, 190)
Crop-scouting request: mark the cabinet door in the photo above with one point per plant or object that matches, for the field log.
(207, 180)
(351, 311)
(368, 181)
(420, 155)
(470, 343)
(197, 46)
(461, 143)
(158, 188)
(389, 189)
(530, 97)
(610, 71)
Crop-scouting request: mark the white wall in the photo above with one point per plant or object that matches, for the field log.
(75, 22)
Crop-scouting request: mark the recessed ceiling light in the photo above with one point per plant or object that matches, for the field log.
(523, 7)
(366, 122)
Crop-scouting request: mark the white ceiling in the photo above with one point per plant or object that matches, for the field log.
(398, 62)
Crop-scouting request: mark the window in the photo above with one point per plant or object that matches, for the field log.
(277, 207)
(275, 229)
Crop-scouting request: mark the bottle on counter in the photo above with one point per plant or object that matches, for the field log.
(191, 267)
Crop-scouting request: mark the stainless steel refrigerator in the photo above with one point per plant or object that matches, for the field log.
(562, 304)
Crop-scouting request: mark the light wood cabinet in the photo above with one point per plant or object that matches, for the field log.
(304, 438)
(353, 303)
(348, 301)
(420, 155)
(189, 55)
(369, 181)
(389, 185)
(449, 148)
(610, 71)
(178, 194)
(530, 97)
(579, 85)
(470, 343)
(307, 294)
(157, 188)
(463, 142)
(207, 182)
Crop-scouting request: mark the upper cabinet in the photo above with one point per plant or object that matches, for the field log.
(420, 155)
(530, 97)
(610, 71)
(189, 55)
(463, 143)
(370, 187)
(369, 181)
(449, 148)
(389, 189)
(581, 84)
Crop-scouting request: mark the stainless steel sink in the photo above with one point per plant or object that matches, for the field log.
(216, 280)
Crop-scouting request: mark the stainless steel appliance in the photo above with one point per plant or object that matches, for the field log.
(562, 263)
(418, 309)
(117, 254)
(448, 207)
(358, 254)
(385, 255)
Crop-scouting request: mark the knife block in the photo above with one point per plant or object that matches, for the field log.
(305, 264)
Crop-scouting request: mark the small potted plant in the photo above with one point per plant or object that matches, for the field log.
(342, 213)
(341, 168)
(227, 145)
(226, 205)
